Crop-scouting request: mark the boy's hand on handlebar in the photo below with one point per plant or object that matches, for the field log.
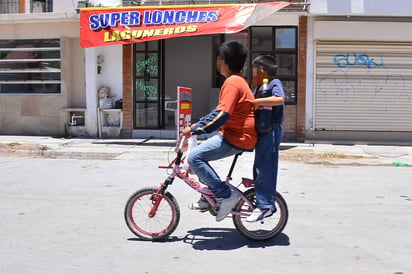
(187, 132)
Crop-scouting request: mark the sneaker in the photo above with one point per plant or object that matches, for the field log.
(260, 214)
(226, 206)
(201, 205)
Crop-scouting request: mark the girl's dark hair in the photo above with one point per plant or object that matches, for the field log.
(267, 63)
(234, 54)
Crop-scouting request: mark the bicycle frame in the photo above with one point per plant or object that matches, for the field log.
(191, 180)
(153, 213)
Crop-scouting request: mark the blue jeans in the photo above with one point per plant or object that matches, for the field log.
(212, 149)
(265, 167)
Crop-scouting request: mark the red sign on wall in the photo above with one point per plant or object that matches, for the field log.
(184, 104)
(112, 26)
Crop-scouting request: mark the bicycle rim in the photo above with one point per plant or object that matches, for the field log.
(260, 231)
(161, 225)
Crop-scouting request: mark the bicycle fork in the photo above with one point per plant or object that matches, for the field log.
(157, 197)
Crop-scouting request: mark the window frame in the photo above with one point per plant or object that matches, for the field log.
(47, 5)
(276, 52)
(43, 73)
(157, 102)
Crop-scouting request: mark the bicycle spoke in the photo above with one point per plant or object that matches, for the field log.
(161, 224)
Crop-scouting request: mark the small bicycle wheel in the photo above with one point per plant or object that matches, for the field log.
(263, 230)
(157, 227)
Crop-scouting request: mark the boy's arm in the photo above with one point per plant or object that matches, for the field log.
(269, 101)
(277, 99)
(211, 122)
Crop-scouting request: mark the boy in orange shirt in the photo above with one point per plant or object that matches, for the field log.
(234, 116)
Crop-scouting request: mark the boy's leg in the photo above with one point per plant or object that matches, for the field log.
(265, 170)
(212, 149)
(266, 167)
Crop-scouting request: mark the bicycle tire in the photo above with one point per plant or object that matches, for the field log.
(153, 228)
(260, 231)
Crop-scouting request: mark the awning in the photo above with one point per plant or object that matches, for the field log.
(113, 26)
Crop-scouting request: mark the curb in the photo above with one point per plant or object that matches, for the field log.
(134, 149)
(297, 155)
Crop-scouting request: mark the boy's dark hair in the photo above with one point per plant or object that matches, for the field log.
(267, 63)
(234, 53)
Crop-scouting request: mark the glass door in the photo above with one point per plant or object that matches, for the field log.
(148, 85)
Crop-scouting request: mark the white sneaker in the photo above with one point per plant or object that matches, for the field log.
(202, 205)
(226, 206)
(260, 214)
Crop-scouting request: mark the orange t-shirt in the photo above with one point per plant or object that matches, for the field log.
(237, 99)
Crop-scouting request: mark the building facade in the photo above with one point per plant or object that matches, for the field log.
(345, 66)
(61, 95)
(359, 84)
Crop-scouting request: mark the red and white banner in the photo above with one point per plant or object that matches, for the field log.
(113, 26)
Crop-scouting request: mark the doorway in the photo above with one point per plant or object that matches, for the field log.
(148, 85)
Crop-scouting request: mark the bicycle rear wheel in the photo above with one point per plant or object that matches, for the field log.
(264, 230)
(157, 227)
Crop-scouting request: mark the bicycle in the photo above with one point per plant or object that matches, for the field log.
(152, 213)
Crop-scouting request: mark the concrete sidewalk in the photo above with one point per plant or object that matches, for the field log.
(89, 148)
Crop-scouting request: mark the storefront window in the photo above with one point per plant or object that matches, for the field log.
(280, 42)
(285, 38)
(262, 39)
(30, 66)
(286, 64)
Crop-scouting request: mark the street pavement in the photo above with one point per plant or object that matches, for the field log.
(89, 148)
(62, 204)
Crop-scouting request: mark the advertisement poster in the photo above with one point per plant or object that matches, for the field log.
(125, 25)
(184, 112)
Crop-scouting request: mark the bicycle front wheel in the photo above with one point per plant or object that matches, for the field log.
(264, 230)
(149, 224)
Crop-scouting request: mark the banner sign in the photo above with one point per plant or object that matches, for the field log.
(184, 112)
(113, 26)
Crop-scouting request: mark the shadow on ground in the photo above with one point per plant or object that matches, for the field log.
(227, 239)
(222, 239)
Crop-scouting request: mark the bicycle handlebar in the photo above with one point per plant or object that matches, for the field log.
(179, 149)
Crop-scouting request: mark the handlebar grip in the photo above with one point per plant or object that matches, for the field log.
(179, 157)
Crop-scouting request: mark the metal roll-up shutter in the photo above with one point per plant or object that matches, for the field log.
(363, 86)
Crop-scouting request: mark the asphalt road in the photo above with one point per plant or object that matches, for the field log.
(66, 216)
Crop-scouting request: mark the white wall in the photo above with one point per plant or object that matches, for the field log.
(106, 3)
(189, 63)
(279, 19)
(111, 76)
(112, 73)
(369, 7)
(383, 31)
(64, 5)
(71, 5)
